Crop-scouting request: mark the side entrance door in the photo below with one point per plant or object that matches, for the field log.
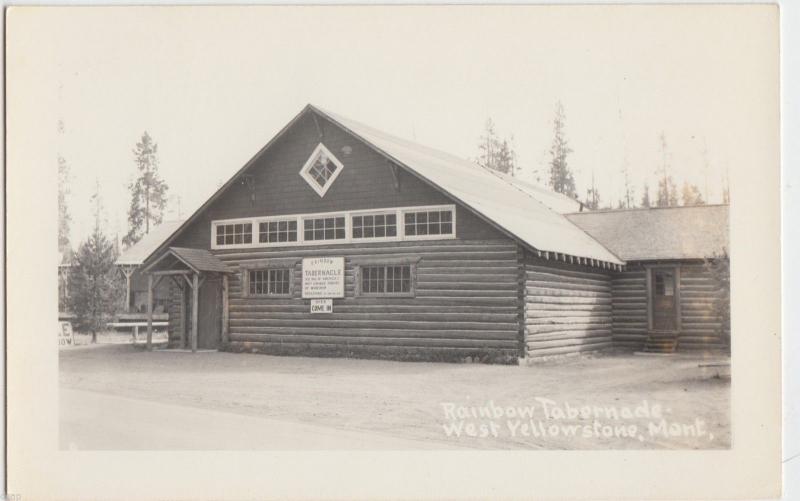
(209, 314)
(664, 300)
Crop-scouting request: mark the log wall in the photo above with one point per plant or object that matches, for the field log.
(629, 307)
(567, 308)
(701, 324)
(465, 302)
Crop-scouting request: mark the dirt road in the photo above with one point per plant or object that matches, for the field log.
(456, 405)
(98, 421)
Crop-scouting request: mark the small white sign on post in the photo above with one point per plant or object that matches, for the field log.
(323, 277)
(322, 306)
(65, 337)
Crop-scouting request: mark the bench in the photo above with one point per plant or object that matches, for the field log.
(135, 320)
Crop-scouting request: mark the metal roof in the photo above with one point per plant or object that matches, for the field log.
(659, 233)
(141, 250)
(507, 204)
(518, 211)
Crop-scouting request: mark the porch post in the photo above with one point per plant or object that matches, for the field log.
(127, 291)
(184, 316)
(149, 311)
(195, 301)
(225, 308)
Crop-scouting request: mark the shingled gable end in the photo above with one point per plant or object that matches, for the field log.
(442, 259)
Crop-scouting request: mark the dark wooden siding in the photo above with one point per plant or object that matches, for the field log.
(465, 302)
(629, 301)
(176, 317)
(701, 325)
(366, 182)
(567, 308)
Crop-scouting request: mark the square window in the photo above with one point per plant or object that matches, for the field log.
(321, 169)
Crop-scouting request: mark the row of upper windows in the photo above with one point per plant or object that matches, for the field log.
(418, 223)
(373, 280)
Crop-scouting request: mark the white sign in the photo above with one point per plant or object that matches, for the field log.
(323, 277)
(65, 334)
(322, 306)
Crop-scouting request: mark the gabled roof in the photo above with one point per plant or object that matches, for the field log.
(553, 200)
(515, 210)
(197, 260)
(141, 250)
(518, 211)
(659, 233)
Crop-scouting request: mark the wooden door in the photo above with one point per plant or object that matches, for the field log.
(209, 314)
(663, 297)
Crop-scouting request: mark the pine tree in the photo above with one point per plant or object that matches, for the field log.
(488, 146)
(667, 195)
(495, 153)
(561, 178)
(691, 194)
(64, 217)
(645, 196)
(726, 189)
(628, 198)
(94, 281)
(592, 196)
(148, 192)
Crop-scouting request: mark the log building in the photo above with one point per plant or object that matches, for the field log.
(338, 239)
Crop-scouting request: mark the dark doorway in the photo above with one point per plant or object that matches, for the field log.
(664, 299)
(209, 311)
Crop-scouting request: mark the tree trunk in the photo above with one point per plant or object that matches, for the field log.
(94, 336)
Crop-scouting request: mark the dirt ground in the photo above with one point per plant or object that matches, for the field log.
(620, 401)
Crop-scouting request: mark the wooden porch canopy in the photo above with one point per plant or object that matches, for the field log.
(188, 268)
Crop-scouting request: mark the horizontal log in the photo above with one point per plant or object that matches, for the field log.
(544, 291)
(560, 278)
(544, 314)
(568, 320)
(562, 350)
(449, 276)
(533, 306)
(471, 265)
(476, 295)
(568, 335)
(465, 316)
(361, 340)
(534, 344)
(330, 321)
(630, 337)
(567, 273)
(424, 283)
(344, 306)
(567, 300)
(281, 347)
(566, 286)
(544, 329)
(366, 332)
(473, 301)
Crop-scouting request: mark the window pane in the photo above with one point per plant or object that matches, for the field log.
(391, 219)
(380, 231)
(391, 231)
(357, 221)
(446, 216)
(447, 228)
(340, 234)
(356, 232)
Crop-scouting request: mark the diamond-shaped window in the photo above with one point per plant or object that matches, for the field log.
(321, 169)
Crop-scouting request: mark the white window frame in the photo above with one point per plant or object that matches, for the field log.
(348, 225)
(305, 172)
(272, 219)
(253, 231)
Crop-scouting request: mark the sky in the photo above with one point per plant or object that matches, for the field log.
(212, 86)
